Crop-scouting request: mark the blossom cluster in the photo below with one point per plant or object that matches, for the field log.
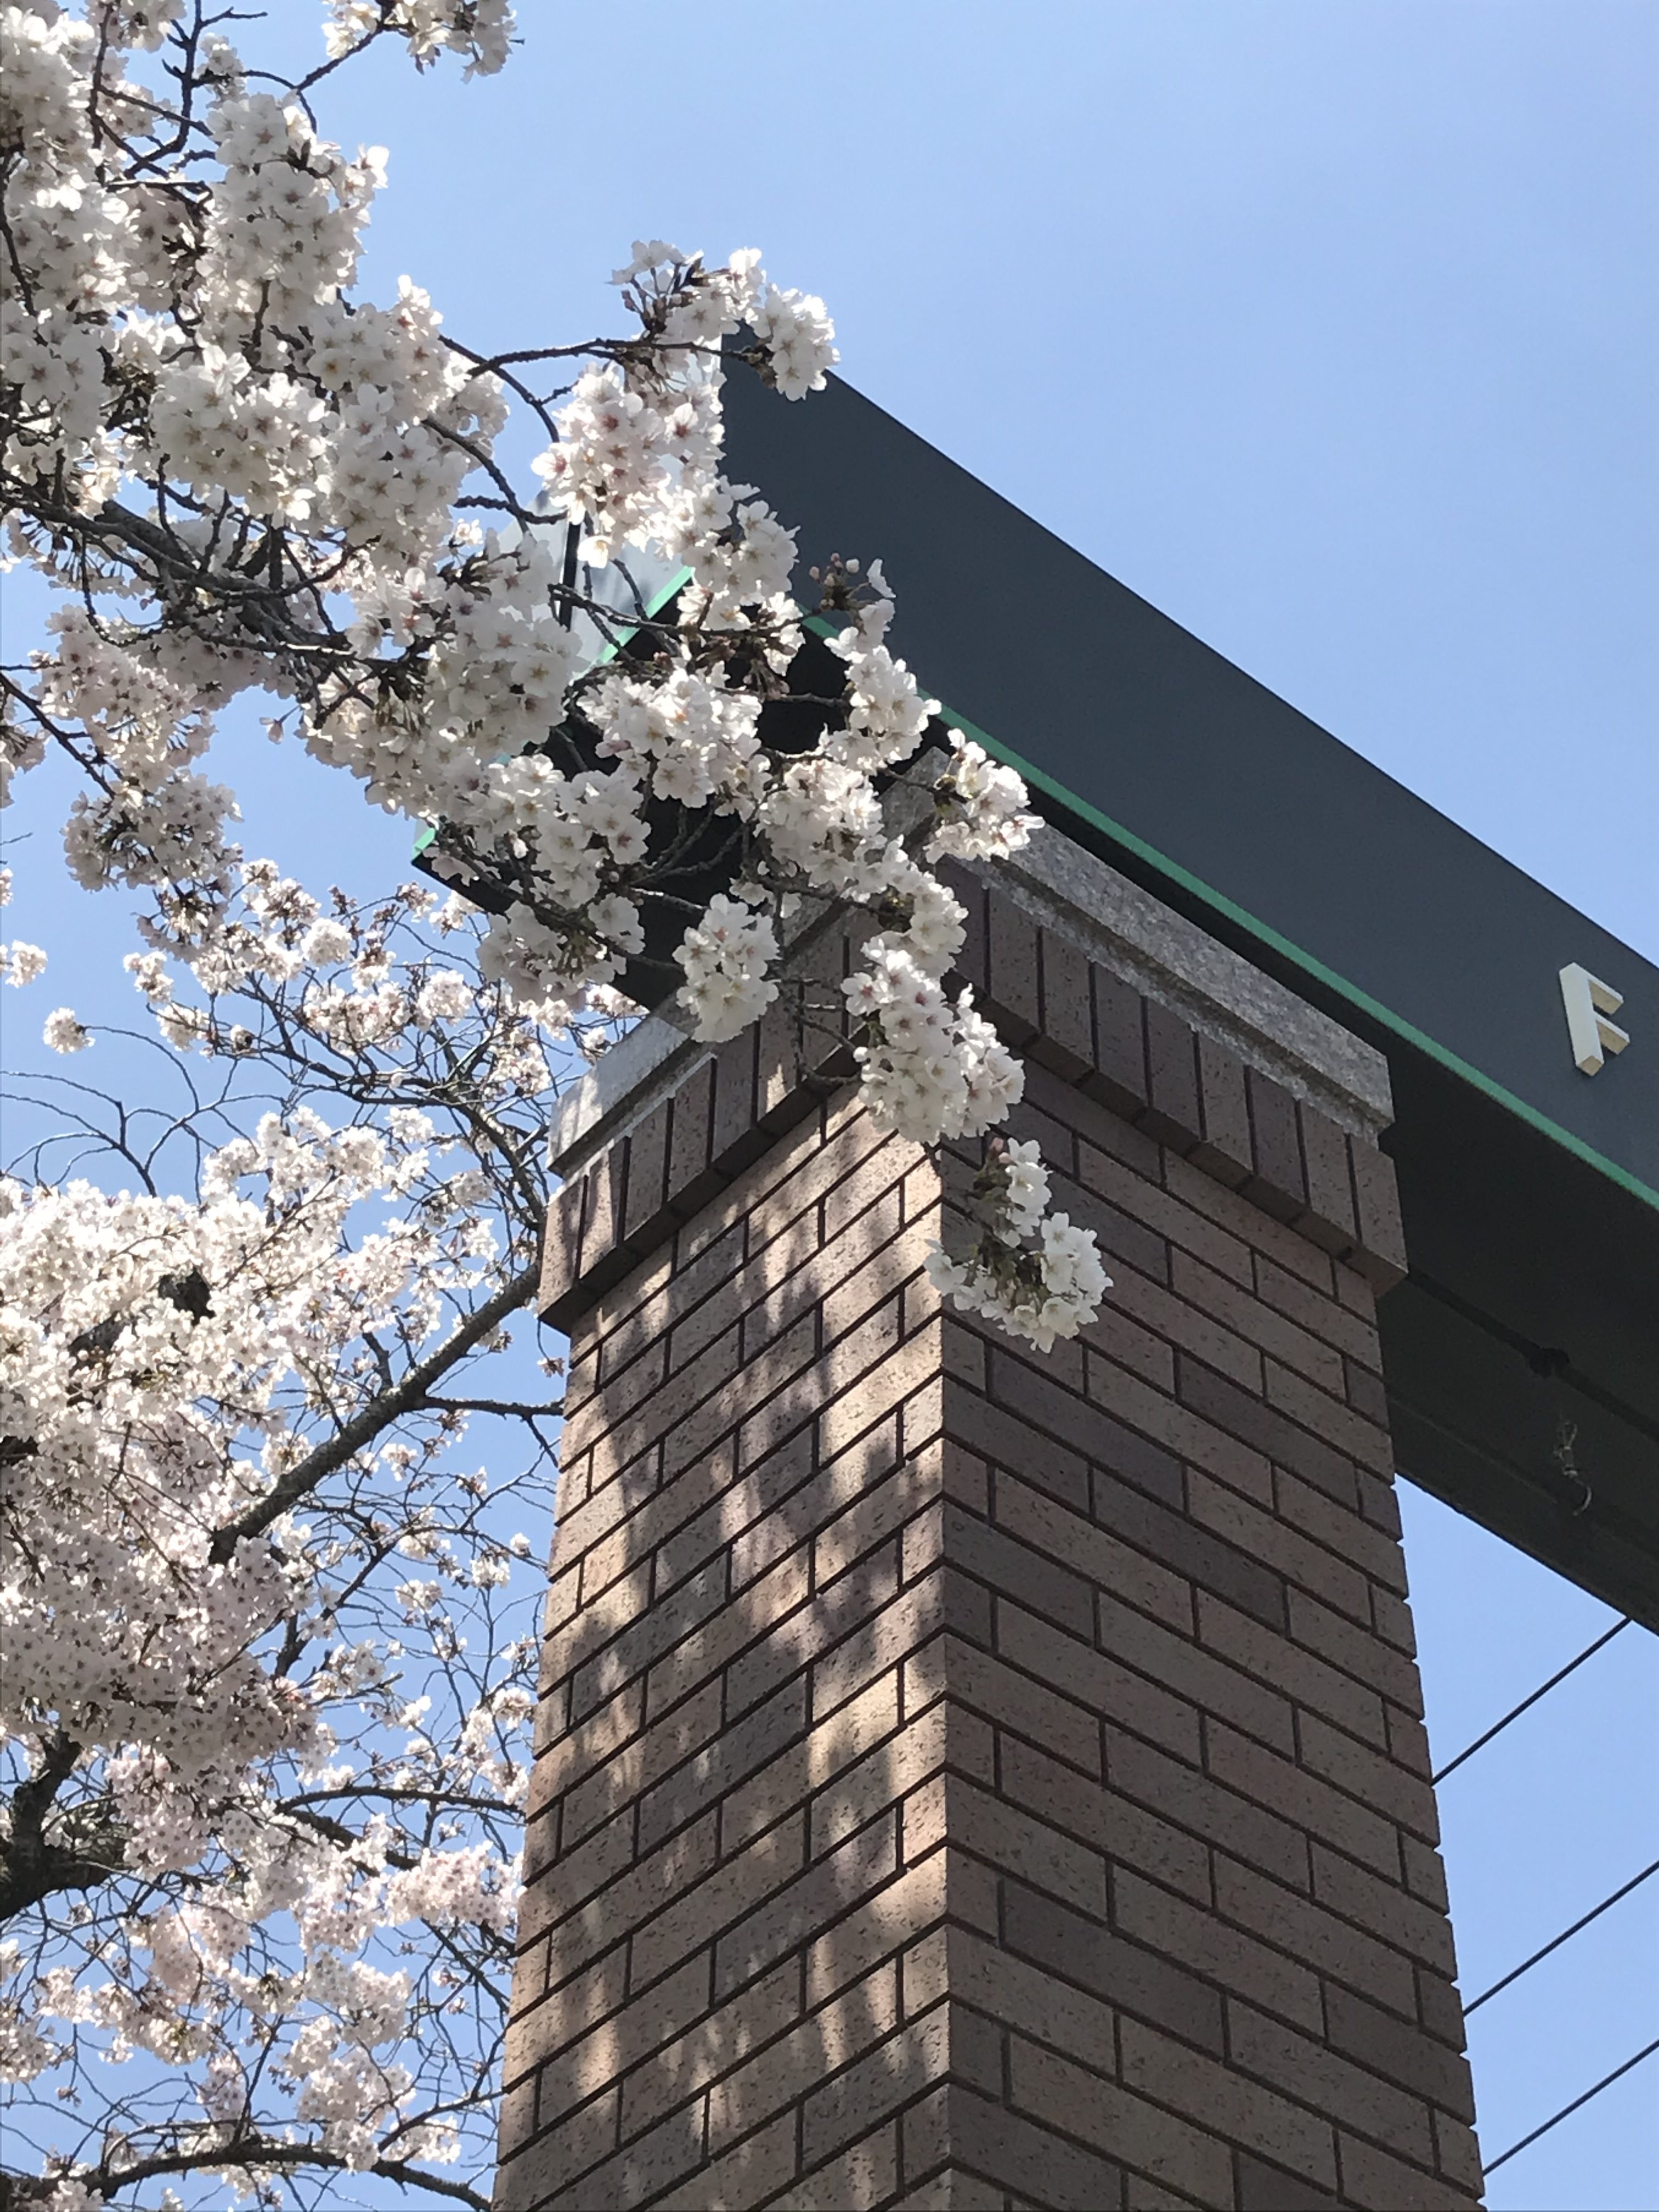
(1033, 1271)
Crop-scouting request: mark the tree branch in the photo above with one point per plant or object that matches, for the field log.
(404, 1397)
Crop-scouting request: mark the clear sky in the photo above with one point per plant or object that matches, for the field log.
(1332, 330)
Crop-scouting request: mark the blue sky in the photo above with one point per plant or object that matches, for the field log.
(1331, 330)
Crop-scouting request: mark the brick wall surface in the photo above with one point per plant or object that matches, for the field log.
(967, 1776)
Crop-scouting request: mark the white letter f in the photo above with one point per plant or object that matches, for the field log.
(1589, 1002)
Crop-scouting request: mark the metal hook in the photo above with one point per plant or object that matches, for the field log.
(1566, 1434)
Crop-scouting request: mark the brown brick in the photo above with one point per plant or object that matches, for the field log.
(1392, 1620)
(1245, 1313)
(1458, 2154)
(881, 1778)
(1374, 1552)
(996, 1556)
(1014, 1700)
(735, 1065)
(1440, 2008)
(627, 2039)
(1012, 1837)
(1330, 1319)
(1264, 1537)
(602, 1215)
(971, 893)
(876, 1513)
(1126, 1242)
(1236, 1213)
(1402, 1919)
(1379, 2183)
(1380, 1255)
(1311, 1934)
(1377, 1781)
(1176, 1927)
(1115, 2120)
(645, 1215)
(866, 2174)
(1243, 1413)
(1077, 1949)
(848, 1413)
(853, 1596)
(1003, 1438)
(1065, 1041)
(569, 2011)
(550, 2164)
(635, 1769)
(1173, 1114)
(562, 1245)
(1104, 1561)
(815, 1758)
(748, 2174)
(862, 1863)
(1026, 1994)
(1095, 1681)
(889, 1628)
(879, 1928)
(1194, 1800)
(1329, 1219)
(1277, 1183)
(1142, 1352)
(1194, 1554)
(1350, 1432)
(763, 1867)
(1120, 1078)
(1194, 1674)
(1012, 985)
(1350, 2094)
(684, 2066)
(1356, 1650)
(1246, 2115)
(1005, 2153)
(1301, 1798)
(643, 2168)
(690, 1132)
(748, 1743)
(1200, 1442)
(1190, 1326)
(861, 2097)
(1225, 1115)
(1105, 1819)
(646, 1639)
(1426, 1873)
(1273, 1659)
(782, 2073)
(1264, 2188)
(1168, 1216)
(1399, 2051)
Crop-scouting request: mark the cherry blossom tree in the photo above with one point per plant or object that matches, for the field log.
(270, 1626)
(263, 1672)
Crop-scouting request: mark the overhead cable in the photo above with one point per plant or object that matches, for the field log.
(1526, 1703)
(1556, 1941)
(1567, 2110)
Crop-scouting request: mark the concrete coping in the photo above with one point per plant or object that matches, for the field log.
(1116, 923)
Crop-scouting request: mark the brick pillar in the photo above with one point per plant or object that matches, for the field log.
(965, 1777)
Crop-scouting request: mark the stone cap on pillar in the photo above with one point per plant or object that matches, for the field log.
(1077, 967)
